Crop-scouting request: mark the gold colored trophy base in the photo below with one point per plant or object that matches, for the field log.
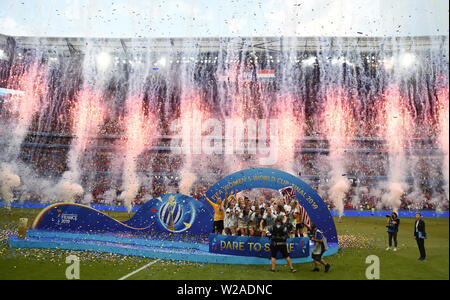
(23, 224)
(22, 233)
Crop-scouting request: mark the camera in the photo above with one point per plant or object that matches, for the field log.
(390, 226)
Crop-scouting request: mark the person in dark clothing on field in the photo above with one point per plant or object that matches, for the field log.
(278, 236)
(392, 229)
(420, 235)
(320, 246)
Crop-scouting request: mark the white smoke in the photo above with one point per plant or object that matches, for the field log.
(187, 180)
(67, 189)
(131, 189)
(393, 197)
(340, 186)
(359, 191)
(416, 195)
(87, 199)
(8, 182)
(109, 196)
(377, 193)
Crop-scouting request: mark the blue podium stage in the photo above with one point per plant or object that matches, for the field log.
(129, 245)
(177, 227)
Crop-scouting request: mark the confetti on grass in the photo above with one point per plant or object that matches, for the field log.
(355, 241)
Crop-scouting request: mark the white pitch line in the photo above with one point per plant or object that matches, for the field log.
(138, 270)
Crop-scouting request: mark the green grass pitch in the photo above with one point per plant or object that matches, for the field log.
(359, 238)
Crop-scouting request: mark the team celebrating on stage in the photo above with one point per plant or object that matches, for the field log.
(239, 215)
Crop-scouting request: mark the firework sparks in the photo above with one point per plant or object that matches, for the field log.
(139, 130)
(443, 123)
(398, 127)
(338, 126)
(88, 114)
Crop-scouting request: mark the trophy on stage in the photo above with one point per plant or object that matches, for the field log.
(23, 224)
(171, 213)
(171, 207)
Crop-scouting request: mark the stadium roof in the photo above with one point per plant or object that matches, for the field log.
(67, 46)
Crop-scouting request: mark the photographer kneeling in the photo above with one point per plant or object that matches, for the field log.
(278, 236)
(392, 229)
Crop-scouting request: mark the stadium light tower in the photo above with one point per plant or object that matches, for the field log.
(103, 61)
(3, 55)
(388, 63)
(162, 62)
(309, 61)
(407, 60)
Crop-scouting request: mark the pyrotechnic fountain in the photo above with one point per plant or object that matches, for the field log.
(33, 84)
(338, 124)
(88, 115)
(136, 135)
(398, 127)
(291, 129)
(191, 117)
(363, 108)
(443, 131)
(192, 112)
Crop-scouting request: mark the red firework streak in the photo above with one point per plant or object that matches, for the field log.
(289, 192)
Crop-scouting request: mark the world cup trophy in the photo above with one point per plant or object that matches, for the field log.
(172, 204)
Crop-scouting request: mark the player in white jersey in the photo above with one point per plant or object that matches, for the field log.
(244, 220)
(267, 222)
(255, 221)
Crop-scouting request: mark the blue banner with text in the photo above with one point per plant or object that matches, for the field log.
(255, 246)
